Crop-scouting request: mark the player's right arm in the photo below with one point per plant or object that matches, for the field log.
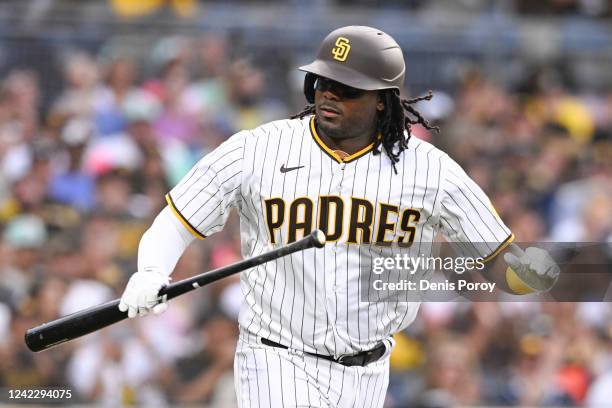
(198, 206)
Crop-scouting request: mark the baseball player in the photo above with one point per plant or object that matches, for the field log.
(348, 166)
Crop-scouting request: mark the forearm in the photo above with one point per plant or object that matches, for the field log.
(163, 243)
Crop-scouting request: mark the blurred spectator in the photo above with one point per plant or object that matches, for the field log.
(72, 186)
(208, 375)
(23, 237)
(211, 56)
(19, 367)
(119, 84)
(175, 120)
(451, 378)
(118, 369)
(234, 101)
(83, 88)
(19, 99)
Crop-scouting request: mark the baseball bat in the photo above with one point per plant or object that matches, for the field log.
(86, 321)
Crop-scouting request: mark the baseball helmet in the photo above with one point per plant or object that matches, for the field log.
(358, 56)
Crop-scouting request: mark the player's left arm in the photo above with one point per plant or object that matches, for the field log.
(470, 222)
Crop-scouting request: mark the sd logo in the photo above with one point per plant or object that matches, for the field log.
(341, 50)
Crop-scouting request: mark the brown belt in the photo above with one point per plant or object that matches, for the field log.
(360, 359)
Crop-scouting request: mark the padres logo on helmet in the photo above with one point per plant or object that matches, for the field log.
(341, 50)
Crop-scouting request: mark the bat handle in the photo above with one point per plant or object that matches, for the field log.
(315, 239)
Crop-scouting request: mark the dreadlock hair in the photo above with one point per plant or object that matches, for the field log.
(392, 122)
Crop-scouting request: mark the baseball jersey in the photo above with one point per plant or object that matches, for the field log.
(285, 182)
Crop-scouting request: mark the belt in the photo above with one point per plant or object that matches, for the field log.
(360, 359)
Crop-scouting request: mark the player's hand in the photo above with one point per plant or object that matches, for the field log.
(534, 266)
(141, 294)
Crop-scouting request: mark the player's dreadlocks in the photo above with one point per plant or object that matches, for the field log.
(392, 122)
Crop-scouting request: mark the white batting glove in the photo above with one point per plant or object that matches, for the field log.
(140, 295)
(534, 266)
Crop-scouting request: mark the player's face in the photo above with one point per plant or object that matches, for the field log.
(344, 112)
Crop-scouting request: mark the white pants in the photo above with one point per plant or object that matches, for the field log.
(267, 376)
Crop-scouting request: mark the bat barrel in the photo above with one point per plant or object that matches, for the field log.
(73, 326)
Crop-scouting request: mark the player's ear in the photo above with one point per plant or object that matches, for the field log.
(380, 104)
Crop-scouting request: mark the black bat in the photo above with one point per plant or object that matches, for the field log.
(95, 318)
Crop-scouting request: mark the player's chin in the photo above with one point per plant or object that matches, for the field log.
(328, 124)
(331, 128)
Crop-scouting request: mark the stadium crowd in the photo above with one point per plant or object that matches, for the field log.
(82, 180)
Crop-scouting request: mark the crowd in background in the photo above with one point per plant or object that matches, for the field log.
(82, 180)
(590, 8)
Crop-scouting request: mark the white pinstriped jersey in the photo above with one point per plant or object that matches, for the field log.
(285, 182)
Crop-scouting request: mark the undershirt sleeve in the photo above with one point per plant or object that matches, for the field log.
(163, 243)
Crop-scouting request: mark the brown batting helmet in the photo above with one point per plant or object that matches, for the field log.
(358, 56)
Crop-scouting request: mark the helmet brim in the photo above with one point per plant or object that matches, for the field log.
(345, 75)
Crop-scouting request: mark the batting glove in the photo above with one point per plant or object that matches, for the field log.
(533, 267)
(141, 294)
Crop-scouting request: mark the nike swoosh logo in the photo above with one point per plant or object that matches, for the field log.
(284, 169)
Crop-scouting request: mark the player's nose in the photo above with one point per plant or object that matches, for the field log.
(331, 95)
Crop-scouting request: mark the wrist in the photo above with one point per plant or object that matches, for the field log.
(155, 270)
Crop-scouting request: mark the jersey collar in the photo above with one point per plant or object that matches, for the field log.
(330, 152)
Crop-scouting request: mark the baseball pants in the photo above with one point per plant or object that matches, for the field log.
(267, 376)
